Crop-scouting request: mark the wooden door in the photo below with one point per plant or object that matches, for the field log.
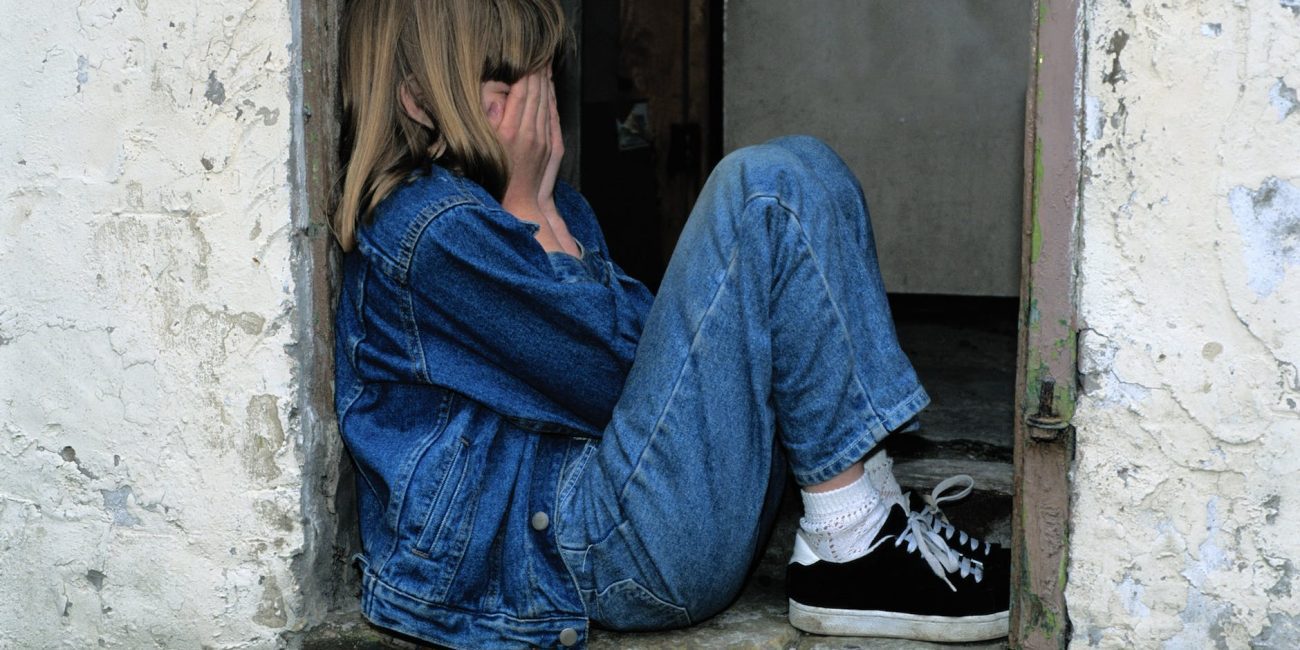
(1046, 385)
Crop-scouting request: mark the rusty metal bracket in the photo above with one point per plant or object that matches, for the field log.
(1046, 424)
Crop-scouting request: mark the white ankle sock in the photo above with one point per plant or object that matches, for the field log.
(840, 525)
(879, 470)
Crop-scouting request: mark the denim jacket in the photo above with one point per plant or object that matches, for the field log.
(474, 370)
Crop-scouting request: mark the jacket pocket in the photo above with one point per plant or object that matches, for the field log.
(436, 535)
(428, 517)
(432, 531)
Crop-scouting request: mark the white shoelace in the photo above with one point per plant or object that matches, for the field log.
(936, 520)
(928, 530)
(919, 537)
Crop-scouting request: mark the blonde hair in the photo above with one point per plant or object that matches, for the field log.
(444, 50)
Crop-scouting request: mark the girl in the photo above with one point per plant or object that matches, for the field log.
(540, 442)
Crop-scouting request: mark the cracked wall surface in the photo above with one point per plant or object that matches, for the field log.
(1186, 519)
(148, 421)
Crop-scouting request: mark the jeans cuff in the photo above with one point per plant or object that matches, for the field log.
(856, 448)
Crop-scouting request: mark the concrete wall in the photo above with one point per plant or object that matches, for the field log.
(1186, 525)
(148, 424)
(150, 419)
(925, 100)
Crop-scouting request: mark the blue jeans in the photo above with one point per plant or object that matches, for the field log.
(770, 341)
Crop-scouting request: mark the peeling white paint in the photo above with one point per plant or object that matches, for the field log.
(1283, 98)
(1130, 593)
(1281, 633)
(151, 489)
(1094, 118)
(1269, 220)
(1188, 448)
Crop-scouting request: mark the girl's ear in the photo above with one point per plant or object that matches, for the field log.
(411, 105)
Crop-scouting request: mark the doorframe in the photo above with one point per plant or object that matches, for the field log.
(1047, 355)
(330, 529)
(1044, 437)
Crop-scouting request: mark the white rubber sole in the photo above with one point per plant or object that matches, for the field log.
(852, 622)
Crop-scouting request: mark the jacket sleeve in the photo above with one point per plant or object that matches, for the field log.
(563, 328)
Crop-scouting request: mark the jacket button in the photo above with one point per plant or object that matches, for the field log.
(540, 522)
(568, 636)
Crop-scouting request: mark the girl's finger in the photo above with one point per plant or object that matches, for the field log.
(557, 136)
(544, 111)
(555, 109)
(537, 105)
(514, 111)
(547, 108)
(529, 118)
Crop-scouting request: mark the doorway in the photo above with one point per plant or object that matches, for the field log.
(644, 112)
(929, 103)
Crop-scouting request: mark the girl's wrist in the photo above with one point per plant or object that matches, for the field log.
(547, 206)
(523, 206)
(561, 230)
(548, 231)
(531, 212)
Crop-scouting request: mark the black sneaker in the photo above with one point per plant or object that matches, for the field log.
(911, 585)
(989, 553)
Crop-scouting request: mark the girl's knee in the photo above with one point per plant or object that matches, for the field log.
(805, 146)
(813, 153)
(760, 164)
(795, 156)
(790, 163)
(754, 156)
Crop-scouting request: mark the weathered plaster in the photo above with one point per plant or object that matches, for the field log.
(1186, 519)
(148, 403)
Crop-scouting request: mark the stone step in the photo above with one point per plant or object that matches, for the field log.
(923, 475)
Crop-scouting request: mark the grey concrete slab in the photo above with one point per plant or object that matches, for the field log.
(923, 474)
(757, 620)
(811, 642)
(923, 100)
(969, 372)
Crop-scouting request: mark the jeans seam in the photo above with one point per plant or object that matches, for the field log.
(830, 296)
(566, 491)
(681, 373)
(817, 474)
(672, 398)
